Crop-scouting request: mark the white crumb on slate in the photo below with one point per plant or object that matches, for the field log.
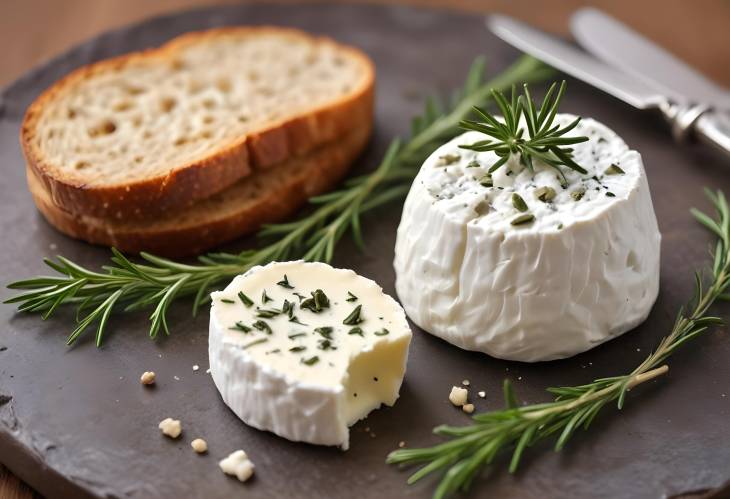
(237, 464)
(458, 396)
(170, 427)
(147, 378)
(199, 445)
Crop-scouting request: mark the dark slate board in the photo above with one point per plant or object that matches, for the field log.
(76, 423)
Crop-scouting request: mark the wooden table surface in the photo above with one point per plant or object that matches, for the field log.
(31, 31)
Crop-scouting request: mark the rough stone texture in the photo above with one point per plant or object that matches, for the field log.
(80, 425)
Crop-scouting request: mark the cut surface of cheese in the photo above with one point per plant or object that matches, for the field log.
(306, 350)
(521, 265)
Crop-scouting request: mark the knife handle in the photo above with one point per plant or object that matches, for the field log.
(713, 129)
(698, 122)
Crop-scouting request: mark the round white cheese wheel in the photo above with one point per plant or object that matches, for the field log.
(305, 350)
(585, 270)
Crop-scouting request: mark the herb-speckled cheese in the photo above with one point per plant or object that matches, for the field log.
(305, 350)
(576, 266)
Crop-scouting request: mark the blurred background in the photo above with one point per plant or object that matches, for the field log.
(698, 31)
(32, 31)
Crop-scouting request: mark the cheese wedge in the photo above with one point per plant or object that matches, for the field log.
(305, 350)
(517, 265)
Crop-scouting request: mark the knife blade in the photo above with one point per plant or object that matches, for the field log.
(687, 120)
(625, 49)
(575, 62)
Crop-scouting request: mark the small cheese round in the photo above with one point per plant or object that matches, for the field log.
(517, 265)
(305, 350)
(458, 396)
(199, 445)
(147, 378)
(468, 408)
(237, 464)
(170, 427)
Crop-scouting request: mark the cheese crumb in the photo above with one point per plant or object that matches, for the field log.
(196, 367)
(199, 445)
(401, 444)
(466, 382)
(468, 408)
(482, 394)
(458, 396)
(237, 464)
(170, 427)
(147, 378)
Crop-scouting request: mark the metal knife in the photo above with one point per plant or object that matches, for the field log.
(618, 45)
(687, 119)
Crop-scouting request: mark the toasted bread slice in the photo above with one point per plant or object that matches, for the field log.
(149, 132)
(266, 196)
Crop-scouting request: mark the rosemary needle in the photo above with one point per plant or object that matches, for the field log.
(518, 427)
(158, 282)
(546, 141)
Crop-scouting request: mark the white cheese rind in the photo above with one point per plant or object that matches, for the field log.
(276, 391)
(583, 272)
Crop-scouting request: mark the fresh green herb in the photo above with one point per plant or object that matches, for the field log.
(288, 308)
(448, 159)
(245, 299)
(255, 342)
(267, 313)
(300, 296)
(382, 332)
(473, 164)
(325, 331)
(240, 326)
(265, 298)
(157, 282)
(547, 141)
(226, 300)
(326, 344)
(354, 318)
(295, 320)
(578, 194)
(518, 427)
(518, 202)
(351, 297)
(317, 302)
(262, 326)
(296, 335)
(299, 348)
(560, 226)
(275, 350)
(545, 194)
(523, 219)
(614, 169)
(310, 361)
(486, 180)
(356, 330)
(284, 283)
(610, 194)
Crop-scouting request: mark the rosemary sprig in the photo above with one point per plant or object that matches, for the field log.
(518, 427)
(546, 141)
(158, 282)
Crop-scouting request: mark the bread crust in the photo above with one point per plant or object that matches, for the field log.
(306, 176)
(154, 196)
